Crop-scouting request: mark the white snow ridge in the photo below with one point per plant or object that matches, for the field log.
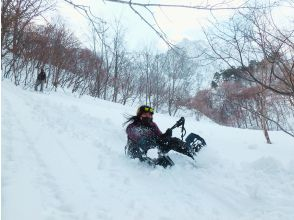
(63, 159)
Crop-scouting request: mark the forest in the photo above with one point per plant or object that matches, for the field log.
(252, 88)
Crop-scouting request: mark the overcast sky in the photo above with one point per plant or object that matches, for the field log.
(177, 23)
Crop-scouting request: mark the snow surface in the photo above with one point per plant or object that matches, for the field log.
(63, 158)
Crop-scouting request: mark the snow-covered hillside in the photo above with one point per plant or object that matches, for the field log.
(63, 159)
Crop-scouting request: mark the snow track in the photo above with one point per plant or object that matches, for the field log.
(63, 158)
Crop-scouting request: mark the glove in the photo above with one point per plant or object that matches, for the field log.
(164, 138)
(168, 133)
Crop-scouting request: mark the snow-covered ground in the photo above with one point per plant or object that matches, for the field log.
(63, 159)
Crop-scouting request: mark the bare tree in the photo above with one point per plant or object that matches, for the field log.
(128, 78)
(145, 11)
(15, 17)
(118, 56)
(179, 73)
(159, 81)
(251, 38)
(145, 60)
(240, 103)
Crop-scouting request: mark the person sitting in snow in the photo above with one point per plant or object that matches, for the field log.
(144, 134)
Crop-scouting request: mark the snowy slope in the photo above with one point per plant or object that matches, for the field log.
(63, 159)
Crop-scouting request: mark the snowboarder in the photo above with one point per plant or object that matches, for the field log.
(144, 134)
(41, 79)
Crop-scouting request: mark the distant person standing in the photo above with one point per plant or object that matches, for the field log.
(41, 79)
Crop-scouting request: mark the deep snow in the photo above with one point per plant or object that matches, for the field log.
(63, 158)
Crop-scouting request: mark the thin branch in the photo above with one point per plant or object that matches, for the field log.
(269, 119)
(206, 7)
(86, 12)
(161, 35)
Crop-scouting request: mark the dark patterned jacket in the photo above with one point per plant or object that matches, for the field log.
(136, 131)
(41, 76)
(141, 137)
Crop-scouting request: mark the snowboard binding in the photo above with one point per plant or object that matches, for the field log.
(194, 143)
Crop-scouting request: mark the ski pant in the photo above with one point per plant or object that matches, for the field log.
(179, 146)
(175, 144)
(136, 152)
(39, 82)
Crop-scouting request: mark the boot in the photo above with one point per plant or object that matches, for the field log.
(180, 147)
